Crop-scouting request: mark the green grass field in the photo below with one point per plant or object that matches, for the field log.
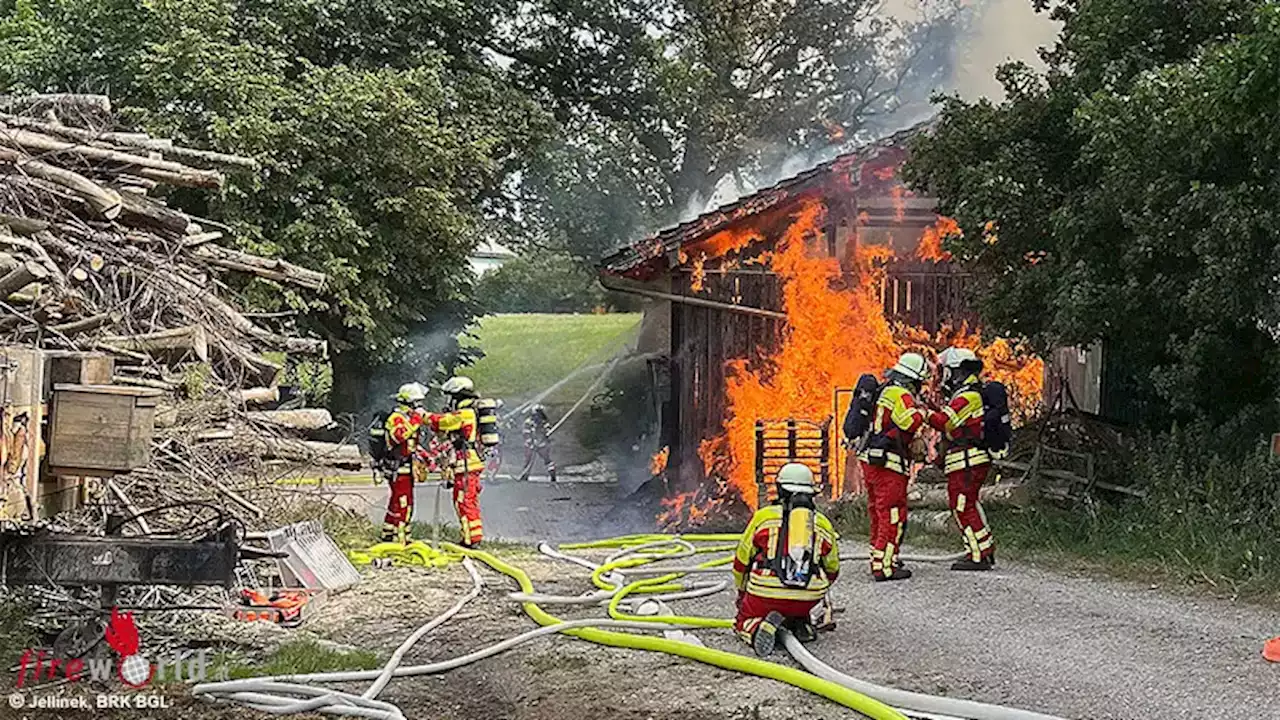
(526, 354)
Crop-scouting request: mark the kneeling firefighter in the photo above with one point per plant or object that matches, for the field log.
(400, 435)
(968, 454)
(785, 563)
(461, 426)
(886, 462)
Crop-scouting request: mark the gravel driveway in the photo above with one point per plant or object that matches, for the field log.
(1078, 647)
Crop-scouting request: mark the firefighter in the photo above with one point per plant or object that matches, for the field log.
(460, 424)
(965, 461)
(886, 462)
(537, 442)
(402, 439)
(784, 565)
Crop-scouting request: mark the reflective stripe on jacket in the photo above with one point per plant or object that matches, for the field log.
(894, 423)
(463, 428)
(960, 422)
(752, 562)
(402, 435)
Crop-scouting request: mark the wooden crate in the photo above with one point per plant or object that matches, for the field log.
(64, 367)
(100, 430)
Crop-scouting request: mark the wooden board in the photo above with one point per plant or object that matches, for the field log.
(21, 415)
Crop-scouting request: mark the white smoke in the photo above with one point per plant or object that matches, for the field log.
(1000, 31)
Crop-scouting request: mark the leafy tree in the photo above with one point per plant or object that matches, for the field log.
(385, 135)
(1130, 196)
(661, 101)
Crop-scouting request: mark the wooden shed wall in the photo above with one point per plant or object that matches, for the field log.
(703, 341)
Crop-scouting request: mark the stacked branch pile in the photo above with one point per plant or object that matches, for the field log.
(93, 259)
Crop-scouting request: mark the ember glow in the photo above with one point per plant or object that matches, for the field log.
(836, 330)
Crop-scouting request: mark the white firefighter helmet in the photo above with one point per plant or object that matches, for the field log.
(796, 478)
(457, 385)
(411, 393)
(953, 356)
(912, 366)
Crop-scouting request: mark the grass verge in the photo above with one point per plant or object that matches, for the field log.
(301, 657)
(525, 354)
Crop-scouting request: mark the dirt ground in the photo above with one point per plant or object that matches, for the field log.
(1077, 647)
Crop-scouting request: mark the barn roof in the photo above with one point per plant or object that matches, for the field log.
(651, 252)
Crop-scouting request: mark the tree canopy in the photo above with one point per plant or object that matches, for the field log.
(1129, 195)
(661, 101)
(384, 134)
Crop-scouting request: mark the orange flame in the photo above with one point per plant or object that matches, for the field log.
(930, 247)
(658, 463)
(698, 280)
(832, 336)
(836, 330)
(121, 633)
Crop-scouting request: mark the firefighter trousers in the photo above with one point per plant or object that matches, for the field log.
(538, 451)
(466, 502)
(395, 525)
(754, 608)
(887, 506)
(963, 487)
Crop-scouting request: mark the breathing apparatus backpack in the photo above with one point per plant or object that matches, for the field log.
(795, 559)
(997, 426)
(857, 422)
(380, 455)
(487, 416)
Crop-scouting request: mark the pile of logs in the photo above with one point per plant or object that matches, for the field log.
(92, 259)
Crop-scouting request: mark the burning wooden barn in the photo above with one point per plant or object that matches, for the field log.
(765, 308)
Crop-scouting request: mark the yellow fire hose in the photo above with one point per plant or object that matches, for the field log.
(729, 661)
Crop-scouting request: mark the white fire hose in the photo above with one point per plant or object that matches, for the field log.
(294, 694)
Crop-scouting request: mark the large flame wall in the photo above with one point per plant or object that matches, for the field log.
(835, 331)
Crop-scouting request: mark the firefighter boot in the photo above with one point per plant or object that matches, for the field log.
(899, 573)
(968, 565)
(805, 632)
(766, 633)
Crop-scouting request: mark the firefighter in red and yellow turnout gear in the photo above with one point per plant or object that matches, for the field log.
(886, 462)
(785, 563)
(965, 461)
(402, 438)
(461, 426)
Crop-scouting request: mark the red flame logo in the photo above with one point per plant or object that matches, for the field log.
(121, 633)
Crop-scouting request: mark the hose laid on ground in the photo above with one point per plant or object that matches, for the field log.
(903, 699)
(280, 695)
(833, 691)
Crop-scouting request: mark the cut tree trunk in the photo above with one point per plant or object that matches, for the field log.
(105, 202)
(88, 324)
(141, 210)
(269, 268)
(322, 453)
(303, 419)
(147, 167)
(22, 276)
(96, 103)
(258, 396)
(134, 140)
(178, 343)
